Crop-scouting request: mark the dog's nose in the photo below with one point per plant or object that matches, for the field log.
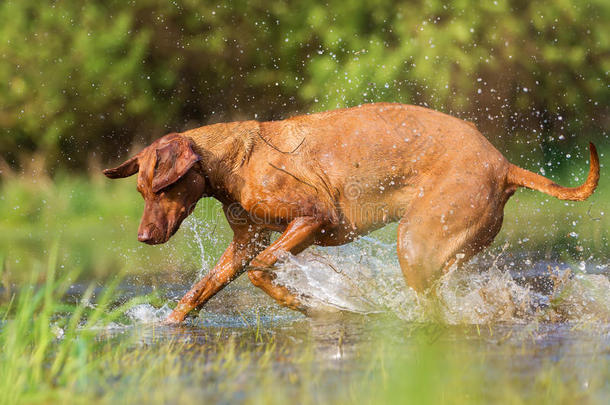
(144, 236)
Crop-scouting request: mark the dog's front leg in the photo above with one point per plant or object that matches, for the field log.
(243, 248)
(296, 237)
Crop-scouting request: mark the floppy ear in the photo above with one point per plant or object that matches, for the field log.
(131, 166)
(173, 161)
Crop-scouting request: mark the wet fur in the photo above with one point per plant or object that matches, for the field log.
(329, 178)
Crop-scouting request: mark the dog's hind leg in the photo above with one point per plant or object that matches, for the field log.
(443, 229)
(297, 237)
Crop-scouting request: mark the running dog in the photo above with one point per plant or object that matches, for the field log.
(328, 178)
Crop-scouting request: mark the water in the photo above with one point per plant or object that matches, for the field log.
(521, 351)
(365, 278)
(146, 313)
(494, 298)
(517, 317)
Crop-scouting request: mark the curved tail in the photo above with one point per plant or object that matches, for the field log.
(524, 178)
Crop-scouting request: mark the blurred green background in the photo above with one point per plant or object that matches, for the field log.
(84, 84)
(85, 80)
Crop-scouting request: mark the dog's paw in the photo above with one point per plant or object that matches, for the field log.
(173, 319)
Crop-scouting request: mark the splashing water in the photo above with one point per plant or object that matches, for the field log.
(360, 277)
(146, 313)
(365, 277)
(202, 233)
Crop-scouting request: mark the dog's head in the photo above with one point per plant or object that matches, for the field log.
(167, 182)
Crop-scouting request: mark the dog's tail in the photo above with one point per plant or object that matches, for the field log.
(524, 178)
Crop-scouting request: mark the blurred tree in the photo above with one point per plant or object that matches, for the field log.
(82, 79)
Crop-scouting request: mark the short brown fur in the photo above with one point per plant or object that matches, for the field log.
(329, 178)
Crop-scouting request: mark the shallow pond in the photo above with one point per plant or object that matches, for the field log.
(510, 321)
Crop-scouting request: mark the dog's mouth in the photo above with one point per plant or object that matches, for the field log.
(155, 241)
(157, 233)
(152, 235)
(162, 237)
(171, 230)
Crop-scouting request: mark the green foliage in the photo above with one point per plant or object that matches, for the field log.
(89, 79)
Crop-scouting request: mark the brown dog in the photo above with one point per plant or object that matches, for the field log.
(329, 178)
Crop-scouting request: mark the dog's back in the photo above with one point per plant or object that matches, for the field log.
(367, 163)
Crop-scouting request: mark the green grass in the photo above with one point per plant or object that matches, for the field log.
(34, 358)
(397, 363)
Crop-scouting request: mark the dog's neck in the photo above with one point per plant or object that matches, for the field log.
(223, 148)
